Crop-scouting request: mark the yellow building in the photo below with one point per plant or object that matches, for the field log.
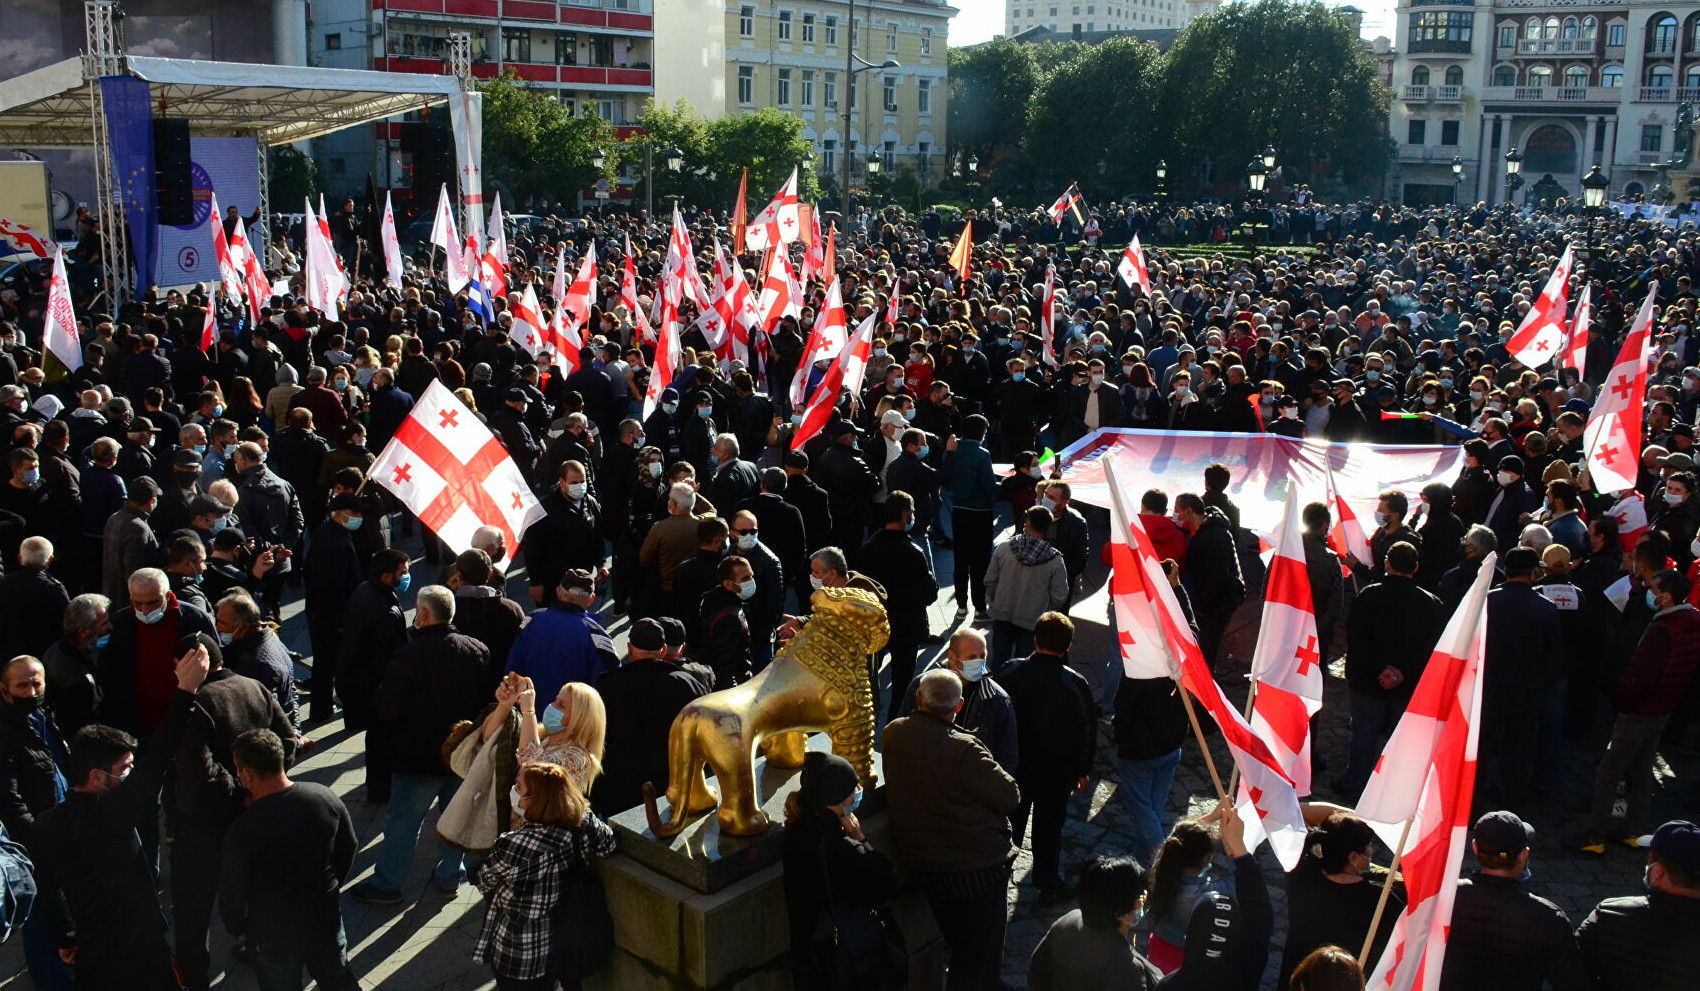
(791, 54)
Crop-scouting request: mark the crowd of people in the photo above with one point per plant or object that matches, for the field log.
(163, 507)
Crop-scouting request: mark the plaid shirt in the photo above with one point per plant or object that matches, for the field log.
(522, 881)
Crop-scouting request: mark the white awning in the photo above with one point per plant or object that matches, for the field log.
(277, 104)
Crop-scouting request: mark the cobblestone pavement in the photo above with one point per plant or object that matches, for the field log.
(425, 943)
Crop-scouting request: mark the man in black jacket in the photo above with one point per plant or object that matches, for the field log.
(89, 858)
(376, 629)
(1056, 722)
(849, 485)
(1503, 935)
(1212, 570)
(252, 650)
(891, 558)
(1442, 532)
(482, 612)
(909, 472)
(1646, 942)
(642, 696)
(725, 625)
(568, 537)
(333, 570)
(732, 479)
(429, 685)
(1522, 664)
(33, 758)
(209, 797)
(780, 523)
(1385, 659)
(32, 601)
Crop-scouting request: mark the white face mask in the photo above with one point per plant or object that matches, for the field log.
(1505, 477)
(575, 490)
(655, 469)
(814, 581)
(973, 669)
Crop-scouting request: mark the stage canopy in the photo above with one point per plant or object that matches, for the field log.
(276, 104)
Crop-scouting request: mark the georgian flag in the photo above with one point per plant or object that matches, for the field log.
(392, 245)
(445, 235)
(229, 267)
(453, 473)
(1540, 336)
(1070, 199)
(16, 239)
(530, 331)
(327, 287)
(1286, 663)
(1420, 793)
(630, 300)
(1576, 346)
(1132, 267)
(253, 275)
(779, 222)
(1048, 317)
(1612, 437)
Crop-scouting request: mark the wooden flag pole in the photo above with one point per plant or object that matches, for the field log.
(1204, 745)
(1381, 904)
(1251, 697)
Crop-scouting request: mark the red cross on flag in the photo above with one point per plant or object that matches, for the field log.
(844, 375)
(1286, 664)
(679, 279)
(1540, 336)
(1347, 538)
(1630, 512)
(253, 275)
(1132, 266)
(1070, 199)
(229, 269)
(530, 330)
(629, 298)
(327, 286)
(445, 235)
(1612, 437)
(1576, 344)
(16, 239)
(731, 313)
(1171, 650)
(1048, 317)
(780, 222)
(1419, 794)
(59, 333)
(827, 338)
(392, 245)
(776, 300)
(451, 471)
(209, 325)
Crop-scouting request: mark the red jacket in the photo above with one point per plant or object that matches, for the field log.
(1663, 664)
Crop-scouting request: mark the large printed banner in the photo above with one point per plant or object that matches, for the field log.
(229, 167)
(1262, 466)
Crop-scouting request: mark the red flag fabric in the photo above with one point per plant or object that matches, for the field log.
(453, 473)
(1576, 345)
(779, 222)
(841, 377)
(1286, 662)
(1426, 778)
(962, 255)
(1269, 791)
(1048, 317)
(740, 213)
(253, 275)
(629, 298)
(229, 269)
(1612, 437)
(1069, 198)
(1540, 337)
(1132, 266)
(827, 339)
(209, 325)
(530, 330)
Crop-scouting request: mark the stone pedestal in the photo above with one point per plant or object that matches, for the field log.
(706, 912)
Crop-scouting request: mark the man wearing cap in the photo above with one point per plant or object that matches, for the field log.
(136, 457)
(563, 642)
(333, 570)
(128, 542)
(642, 696)
(1513, 501)
(508, 423)
(1346, 420)
(849, 484)
(1647, 942)
(1659, 672)
(182, 485)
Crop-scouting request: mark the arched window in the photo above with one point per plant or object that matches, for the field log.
(1691, 77)
(1504, 75)
(1454, 75)
(1576, 75)
(1661, 35)
(1611, 76)
(1540, 75)
(1532, 28)
(1660, 76)
(1590, 26)
(1571, 28)
(1419, 76)
(1551, 28)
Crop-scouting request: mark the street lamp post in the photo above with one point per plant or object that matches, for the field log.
(851, 69)
(1594, 186)
(1257, 177)
(597, 161)
(1162, 180)
(1457, 178)
(672, 158)
(1513, 175)
(874, 165)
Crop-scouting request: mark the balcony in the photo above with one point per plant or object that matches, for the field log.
(1420, 154)
(1433, 94)
(1688, 94)
(1546, 47)
(1649, 157)
(1661, 46)
(1444, 46)
(1655, 94)
(1552, 94)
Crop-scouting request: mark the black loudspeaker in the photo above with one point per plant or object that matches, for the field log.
(174, 182)
(431, 149)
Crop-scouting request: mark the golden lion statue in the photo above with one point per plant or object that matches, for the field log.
(818, 682)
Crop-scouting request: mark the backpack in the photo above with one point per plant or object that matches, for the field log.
(17, 893)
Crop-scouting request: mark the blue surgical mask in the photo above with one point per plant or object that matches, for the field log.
(1018, 376)
(747, 589)
(219, 523)
(923, 451)
(670, 408)
(553, 720)
(1652, 601)
(909, 414)
(405, 583)
(353, 523)
(224, 639)
(973, 669)
(855, 801)
(1372, 375)
(218, 411)
(706, 412)
(101, 641)
(201, 449)
(32, 476)
(1446, 383)
(150, 618)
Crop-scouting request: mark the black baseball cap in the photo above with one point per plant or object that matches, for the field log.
(1503, 834)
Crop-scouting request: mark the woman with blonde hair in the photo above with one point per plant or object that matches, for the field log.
(527, 873)
(569, 734)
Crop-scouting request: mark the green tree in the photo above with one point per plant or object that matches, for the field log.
(990, 85)
(294, 177)
(1274, 72)
(1098, 107)
(714, 154)
(534, 146)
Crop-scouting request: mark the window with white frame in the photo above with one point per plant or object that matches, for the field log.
(891, 36)
(808, 89)
(785, 25)
(890, 93)
(746, 85)
(829, 90)
(924, 96)
(926, 41)
(783, 88)
(746, 21)
(832, 29)
(808, 29)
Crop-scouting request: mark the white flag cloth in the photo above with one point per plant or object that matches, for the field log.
(496, 237)
(59, 334)
(1426, 777)
(1132, 266)
(1540, 337)
(1576, 348)
(392, 245)
(779, 222)
(229, 266)
(1612, 436)
(326, 285)
(445, 235)
(1286, 662)
(530, 331)
(453, 473)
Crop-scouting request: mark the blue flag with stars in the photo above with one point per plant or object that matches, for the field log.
(129, 124)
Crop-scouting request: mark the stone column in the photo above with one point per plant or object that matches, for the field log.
(1484, 167)
(1588, 140)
